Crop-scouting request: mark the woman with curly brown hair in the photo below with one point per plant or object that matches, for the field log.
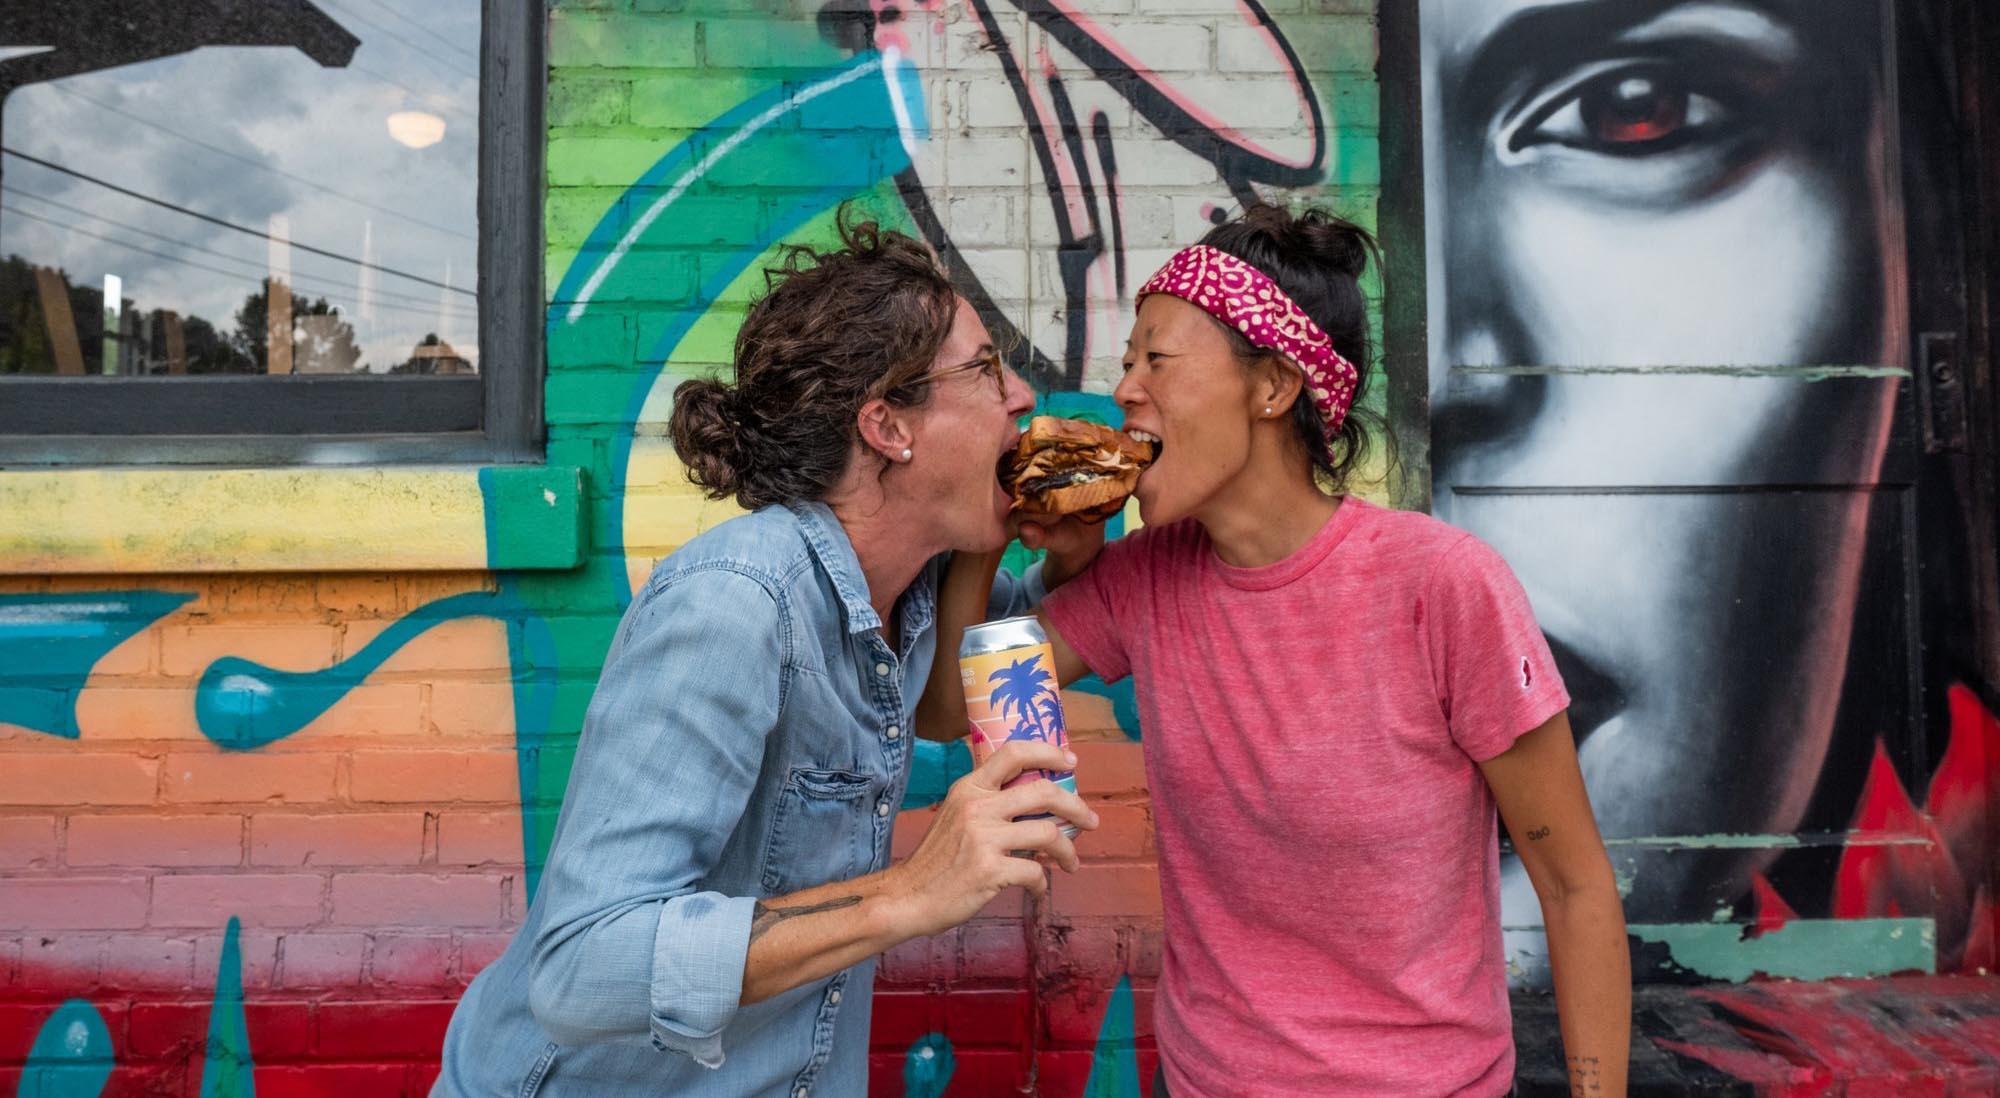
(715, 892)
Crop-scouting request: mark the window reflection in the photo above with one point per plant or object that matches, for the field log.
(274, 187)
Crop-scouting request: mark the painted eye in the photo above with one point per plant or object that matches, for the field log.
(1629, 112)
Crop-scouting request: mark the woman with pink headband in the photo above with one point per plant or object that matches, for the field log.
(1335, 698)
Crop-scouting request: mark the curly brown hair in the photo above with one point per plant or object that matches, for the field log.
(834, 330)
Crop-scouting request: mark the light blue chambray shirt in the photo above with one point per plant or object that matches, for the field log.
(749, 737)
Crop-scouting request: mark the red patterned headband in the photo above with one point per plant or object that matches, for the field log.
(1245, 298)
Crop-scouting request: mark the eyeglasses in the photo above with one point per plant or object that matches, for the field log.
(990, 364)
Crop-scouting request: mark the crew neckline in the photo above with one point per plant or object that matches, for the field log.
(1302, 560)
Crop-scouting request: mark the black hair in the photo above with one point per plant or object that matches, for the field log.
(1318, 259)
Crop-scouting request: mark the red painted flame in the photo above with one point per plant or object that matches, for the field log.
(1772, 910)
(1946, 872)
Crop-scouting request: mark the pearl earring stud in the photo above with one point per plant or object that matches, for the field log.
(906, 453)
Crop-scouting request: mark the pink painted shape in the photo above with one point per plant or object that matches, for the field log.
(1772, 910)
(1211, 119)
(1787, 1080)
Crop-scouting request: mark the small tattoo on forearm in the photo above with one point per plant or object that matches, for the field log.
(1538, 834)
(763, 917)
(1584, 1079)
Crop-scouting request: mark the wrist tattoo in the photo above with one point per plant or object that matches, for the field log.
(763, 916)
(1584, 1079)
(1538, 834)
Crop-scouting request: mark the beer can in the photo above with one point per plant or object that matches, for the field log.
(1008, 670)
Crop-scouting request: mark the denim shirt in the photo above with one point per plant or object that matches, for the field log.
(749, 737)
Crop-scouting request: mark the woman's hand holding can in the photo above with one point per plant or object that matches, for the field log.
(968, 856)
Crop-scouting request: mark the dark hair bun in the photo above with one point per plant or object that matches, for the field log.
(1313, 236)
(1318, 259)
(835, 328)
(705, 434)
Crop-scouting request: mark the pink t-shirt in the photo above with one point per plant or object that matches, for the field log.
(1328, 846)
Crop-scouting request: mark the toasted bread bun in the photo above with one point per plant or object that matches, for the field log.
(1070, 467)
(1050, 432)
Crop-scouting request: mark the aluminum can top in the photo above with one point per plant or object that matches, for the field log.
(999, 636)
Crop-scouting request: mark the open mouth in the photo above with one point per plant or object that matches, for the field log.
(1148, 438)
(1007, 469)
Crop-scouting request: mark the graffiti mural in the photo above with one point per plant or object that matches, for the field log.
(259, 827)
(923, 110)
(1202, 137)
(1669, 375)
(297, 813)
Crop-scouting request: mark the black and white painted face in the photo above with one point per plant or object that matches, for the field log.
(1618, 186)
(1647, 183)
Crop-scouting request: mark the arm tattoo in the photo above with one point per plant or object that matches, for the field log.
(1584, 1081)
(764, 917)
(1538, 834)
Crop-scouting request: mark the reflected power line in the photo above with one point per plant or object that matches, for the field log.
(239, 158)
(128, 245)
(423, 28)
(245, 229)
(258, 271)
(421, 51)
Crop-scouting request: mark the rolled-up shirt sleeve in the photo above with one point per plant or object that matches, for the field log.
(672, 745)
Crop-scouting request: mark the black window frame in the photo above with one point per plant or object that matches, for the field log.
(493, 417)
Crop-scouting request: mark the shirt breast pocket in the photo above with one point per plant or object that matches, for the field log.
(821, 830)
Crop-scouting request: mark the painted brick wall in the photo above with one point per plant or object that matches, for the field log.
(1055, 161)
(261, 829)
(327, 894)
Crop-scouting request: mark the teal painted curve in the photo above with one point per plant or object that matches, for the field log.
(778, 134)
(1123, 697)
(532, 655)
(928, 1066)
(241, 705)
(1114, 1064)
(760, 138)
(226, 1067)
(933, 767)
(49, 643)
(71, 1057)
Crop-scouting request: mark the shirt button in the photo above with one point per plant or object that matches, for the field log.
(799, 1093)
(882, 670)
(834, 997)
(895, 731)
(881, 808)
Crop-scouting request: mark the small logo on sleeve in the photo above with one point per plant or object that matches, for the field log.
(1527, 673)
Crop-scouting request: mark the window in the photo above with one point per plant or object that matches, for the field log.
(270, 232)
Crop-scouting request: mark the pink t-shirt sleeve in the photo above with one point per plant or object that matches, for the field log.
(1085, 611)
(1490, 663)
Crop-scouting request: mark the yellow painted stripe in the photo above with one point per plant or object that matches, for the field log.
(231, 520)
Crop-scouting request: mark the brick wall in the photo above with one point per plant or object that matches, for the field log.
(264, 827)
(1055, 162)
(342, 883)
